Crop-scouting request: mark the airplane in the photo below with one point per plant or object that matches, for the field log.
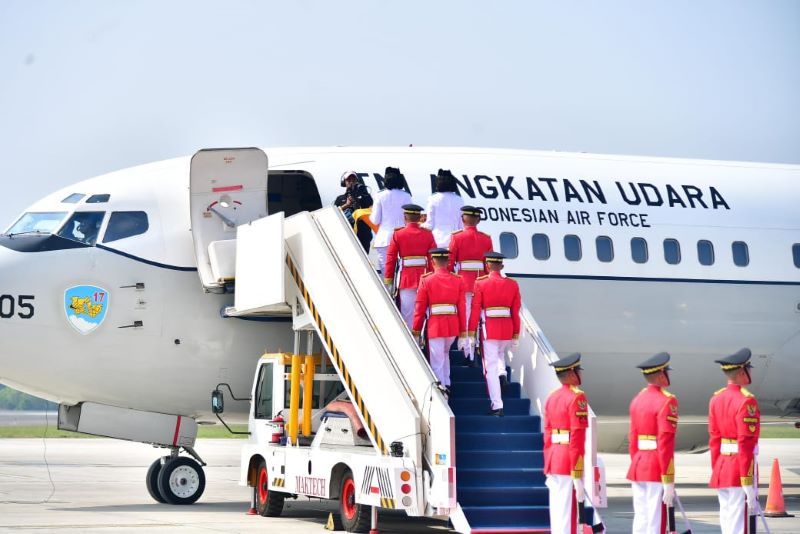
(618, 258)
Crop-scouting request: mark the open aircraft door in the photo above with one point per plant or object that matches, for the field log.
(228, 188)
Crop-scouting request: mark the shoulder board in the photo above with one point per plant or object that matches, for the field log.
(747, 392)
(455, 232)
(399, 228)
(557, 389)
(576, 390)
(667, 393)
(484, 277)
(426, 229)
(484, 233)
(720, 390)
(643, 390)
(426, 275)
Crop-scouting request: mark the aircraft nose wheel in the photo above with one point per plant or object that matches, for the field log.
(181, 480)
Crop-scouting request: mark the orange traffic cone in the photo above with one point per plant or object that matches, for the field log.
(775, 506)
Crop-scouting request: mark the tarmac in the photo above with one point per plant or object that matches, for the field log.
(98, 486)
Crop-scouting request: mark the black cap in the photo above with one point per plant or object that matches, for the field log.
(573, 361)
(493, 257)
(439, 252)
(470, 210)
(734, 361)
(412, 208)
(390, 171)
(653, 364)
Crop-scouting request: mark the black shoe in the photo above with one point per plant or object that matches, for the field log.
(496, 413)
(503, 381)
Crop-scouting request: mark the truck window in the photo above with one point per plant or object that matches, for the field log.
(263, 404)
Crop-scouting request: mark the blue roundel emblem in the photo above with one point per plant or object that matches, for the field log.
(86, 307)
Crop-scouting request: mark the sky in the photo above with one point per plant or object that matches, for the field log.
(89, 87)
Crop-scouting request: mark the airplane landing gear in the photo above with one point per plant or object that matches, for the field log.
(176, 479)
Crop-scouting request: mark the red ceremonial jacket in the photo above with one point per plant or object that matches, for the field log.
(733, 417)
(441, 297)
(496, 295)
(469, 245)
(409, 244)
(566, 410)
(654, 420)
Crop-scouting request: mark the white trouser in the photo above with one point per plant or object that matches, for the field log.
(469, 352)
(732, 510)
(494, 353)
(439, 354)
(408, 297)
(382, 259)
(563, 514)
(648, 509)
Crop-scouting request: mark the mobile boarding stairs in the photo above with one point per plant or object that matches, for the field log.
(482, 473)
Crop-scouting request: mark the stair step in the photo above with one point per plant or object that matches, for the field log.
(507, 516)
(496, 459)
(495, 425)
(477, 389)
(481, 406)
(466, 373)
(500, 477)
(480, 496)
(516, 441)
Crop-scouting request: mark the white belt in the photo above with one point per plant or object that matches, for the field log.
(647, 444)
(443, 309)
(498, 311)
(415, 261)
(472, 265)
(729, 448)
(560, 436)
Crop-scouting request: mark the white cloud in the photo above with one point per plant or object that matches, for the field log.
(82, 325)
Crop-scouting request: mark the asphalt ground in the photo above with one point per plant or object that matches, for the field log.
(98, 486)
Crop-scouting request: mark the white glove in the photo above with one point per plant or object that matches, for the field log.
(463, 343)
(580, 493)
(669, 494)
(418, 340)
(750, 493)
(514, 343)
(471, 342)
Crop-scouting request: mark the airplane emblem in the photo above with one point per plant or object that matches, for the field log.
(86, 307)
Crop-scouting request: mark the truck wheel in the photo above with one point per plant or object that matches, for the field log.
(268, 503)
(151, 481)
(355, 517)
(181, 481)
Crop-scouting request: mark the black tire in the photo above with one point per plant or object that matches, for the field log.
(268, 503)
(355, 517)
(151, 481)
(181, 480)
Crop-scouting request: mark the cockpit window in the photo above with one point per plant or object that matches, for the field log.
(37, 223)
(98, 199)
(83, 226)
(74, 198)
(124, 224)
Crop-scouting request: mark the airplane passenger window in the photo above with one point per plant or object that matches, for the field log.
(98, 199)
(541, 246)
(83, 226)
(572, 247)
(124, 224)
(73, 198)
(705, 252)
(605, 248)
(672, 251)
(263, 404)
(639, 250)
(796, 254)
(741, 256)
(508, 245)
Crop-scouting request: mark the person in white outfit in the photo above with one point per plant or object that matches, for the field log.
(444, 209)
(387, 212)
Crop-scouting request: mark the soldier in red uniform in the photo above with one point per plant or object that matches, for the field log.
(441, 298)
(467, 249)
(654, 421)
(566, 418)
(734, 423)
(497, 298)
(408, 251)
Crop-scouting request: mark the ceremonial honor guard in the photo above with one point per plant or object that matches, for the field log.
(498, 300)
(566, 418)
(441, 299)
(654, 421)
(408, 251)
(734, 423)
(467, 249)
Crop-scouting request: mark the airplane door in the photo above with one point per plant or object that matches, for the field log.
(228, 188)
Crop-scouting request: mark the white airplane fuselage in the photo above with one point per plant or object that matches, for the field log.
(616, 313)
